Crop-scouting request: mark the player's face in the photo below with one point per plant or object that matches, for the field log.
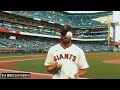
(65, 40)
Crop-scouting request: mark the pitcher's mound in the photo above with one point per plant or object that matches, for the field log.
(112, 61)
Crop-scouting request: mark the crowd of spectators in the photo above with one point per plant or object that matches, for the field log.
(29, 44)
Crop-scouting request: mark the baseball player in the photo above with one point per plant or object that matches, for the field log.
(65, 50)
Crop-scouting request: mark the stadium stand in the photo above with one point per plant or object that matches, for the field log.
(37, 31)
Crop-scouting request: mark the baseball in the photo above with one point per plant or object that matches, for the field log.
(69, 34)
(69, 68)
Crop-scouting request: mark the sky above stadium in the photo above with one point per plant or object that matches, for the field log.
(83, 11)
(116, 18)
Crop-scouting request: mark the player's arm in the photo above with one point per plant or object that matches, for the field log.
(50, 64)
(83, 65)
(53, 68)
(81, 73)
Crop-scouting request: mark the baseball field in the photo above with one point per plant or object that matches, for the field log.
(105, 65)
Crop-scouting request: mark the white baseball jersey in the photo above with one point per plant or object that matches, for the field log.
(72, 53)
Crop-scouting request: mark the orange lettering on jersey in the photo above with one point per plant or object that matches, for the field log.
(70, 56)
(61, 56)
(55, 59)
(74, 58)
(66, 56)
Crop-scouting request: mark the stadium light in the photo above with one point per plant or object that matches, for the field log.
(113, 24)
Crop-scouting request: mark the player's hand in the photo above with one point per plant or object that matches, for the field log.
(77, 75)
(57, 66)
(80, 73)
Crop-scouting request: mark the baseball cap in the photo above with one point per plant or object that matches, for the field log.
(63, 32)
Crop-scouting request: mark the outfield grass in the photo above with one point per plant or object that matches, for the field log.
(101, 70)
(98, 69)
(19, 56)
(33, 66)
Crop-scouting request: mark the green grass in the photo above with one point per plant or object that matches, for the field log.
(32, 65)
(101, 70)
(19, 56)
(106, 52)
(97, 69)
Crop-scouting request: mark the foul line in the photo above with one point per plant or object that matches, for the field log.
(19, 60)
(22, 56)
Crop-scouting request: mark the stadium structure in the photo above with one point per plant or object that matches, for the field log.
(36, 31)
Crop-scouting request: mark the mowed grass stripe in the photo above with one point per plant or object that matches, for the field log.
(97, 70)
(12, 56)
(33, 66)
(100, 70)
(20, 57)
